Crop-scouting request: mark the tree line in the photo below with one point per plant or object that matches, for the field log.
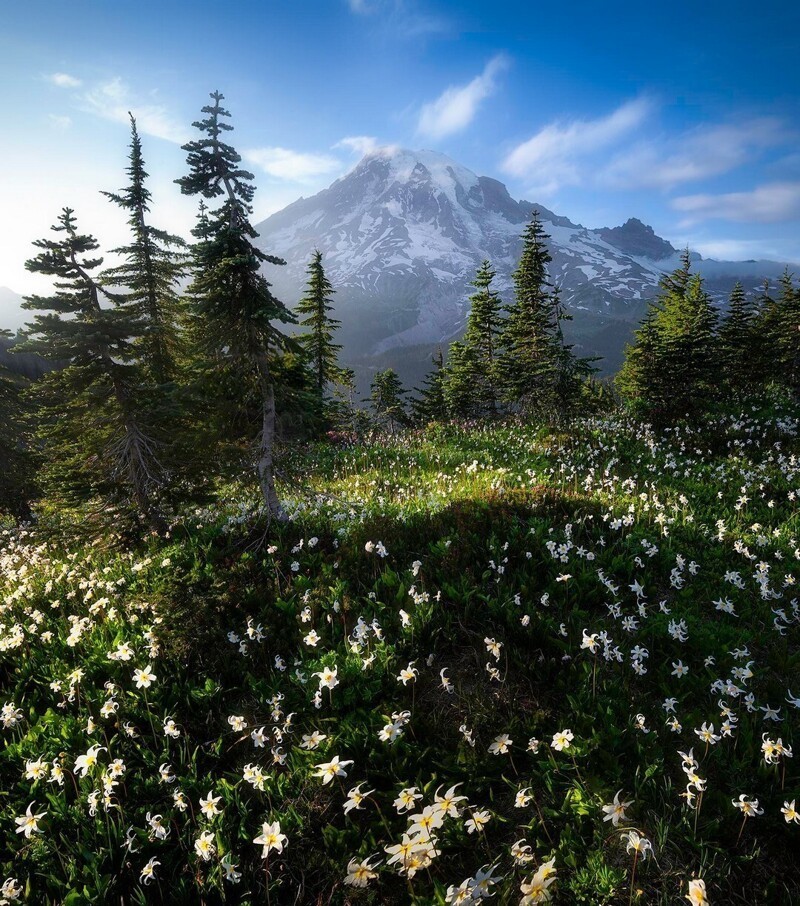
(685, 355)
(175, 371)
(160, 385)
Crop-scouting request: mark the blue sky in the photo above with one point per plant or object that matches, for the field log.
(683, 114)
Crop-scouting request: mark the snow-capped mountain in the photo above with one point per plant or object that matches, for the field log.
(404, 231)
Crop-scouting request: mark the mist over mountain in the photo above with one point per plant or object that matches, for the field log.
(403, 233)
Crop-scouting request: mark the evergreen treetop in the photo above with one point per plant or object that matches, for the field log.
(316, 304)
(235, 310)
(155, 260)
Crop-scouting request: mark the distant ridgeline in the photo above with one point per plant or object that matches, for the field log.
(25, 364)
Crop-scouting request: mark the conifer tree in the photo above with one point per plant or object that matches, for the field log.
(318, 347)
(571, 372)
(687, 330)
(15, 477)
(788, 333)
(386, 396)
(669, 369)
(154, 262)
(533, 351)
(766, 333)
(431, 404)
(640, 378)
(528, 360)
(458, 387)
(736, 343)
(95, 441)
(233, 302)
(473, 368)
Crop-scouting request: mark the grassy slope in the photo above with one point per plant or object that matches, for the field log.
(478, 510)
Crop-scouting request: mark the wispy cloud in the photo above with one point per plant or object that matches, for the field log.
(664, 162)
(293, 166)
(63, 80)
(61, 123)
(456, 107)
(557, 154)
(113, 99)
(769, 203)
(402, 18)
(743, 249)
(359, 144)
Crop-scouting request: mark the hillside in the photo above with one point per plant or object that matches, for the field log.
(484, 661)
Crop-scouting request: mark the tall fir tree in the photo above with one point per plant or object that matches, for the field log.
(472, 379)
(319, 350)
(571, 372)
(736, 343)
(232, 300)
(431, 404)
(387, 398)
(154, 262)
(527, 363)
(670, 368)
(640, 378)
(536, 367)
(788, 333)
(95, 440)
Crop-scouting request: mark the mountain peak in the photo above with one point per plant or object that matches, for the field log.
(637, 239)
(403, 165)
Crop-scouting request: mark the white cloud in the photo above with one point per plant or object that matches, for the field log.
(665, 162)
(770, 203)
(456, 107)
(552, 157)
(61, 123)
(112, 100)
(63, 80)
(742, 249)
(359, 144)
(401, 18)
(294, 166)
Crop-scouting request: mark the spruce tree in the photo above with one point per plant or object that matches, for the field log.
(431, 405)
(386, 396)
(736, 346)
(640, 379)
(154, 262)
(571, 372)
(528, 362)
(232, 300)
(458, 381)
(473, 369)
(95, 442)
(319, 350)
(788, 333)
(669, 370)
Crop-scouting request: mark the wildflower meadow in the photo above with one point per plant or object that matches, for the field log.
(492, 662)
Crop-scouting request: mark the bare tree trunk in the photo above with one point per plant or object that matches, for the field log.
(266, 477)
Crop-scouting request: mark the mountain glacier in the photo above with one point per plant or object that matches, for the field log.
(403, 232)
